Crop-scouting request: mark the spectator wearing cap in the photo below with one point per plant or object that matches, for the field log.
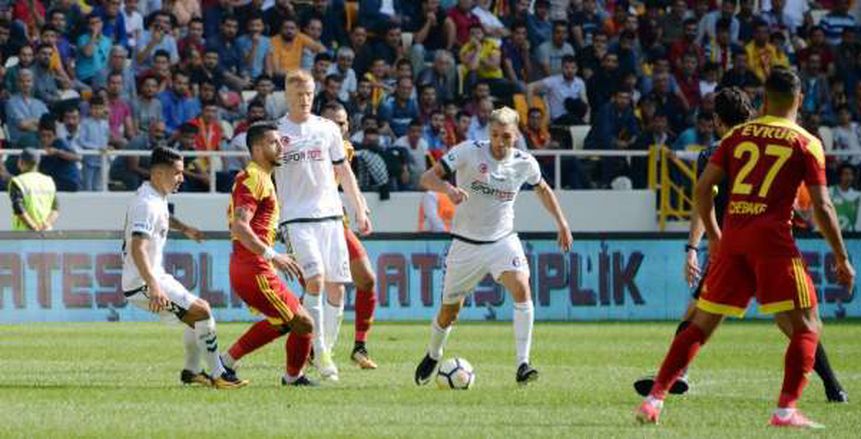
(254, 46)
(33, 196)
(117, 64)
(177, 104)
(762, 55)
(59, 160)
(557, 88)
(550, 53)
(287, 50)
(23, 112)
(157, 37)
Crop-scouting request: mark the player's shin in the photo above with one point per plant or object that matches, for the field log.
(313, 304)
(798, 363)
(258, 335)
(192, 350)
(682, 351)
(207, 340)
(366, 302)
(332, 317)
(523, 322)
(298, 347)
(439, 335)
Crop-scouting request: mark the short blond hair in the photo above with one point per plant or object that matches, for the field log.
(298, 77)
(505, 116)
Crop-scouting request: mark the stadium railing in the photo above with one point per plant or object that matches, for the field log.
(557, 154)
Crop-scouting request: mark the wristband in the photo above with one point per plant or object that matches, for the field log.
(269, 253)
(689, 247)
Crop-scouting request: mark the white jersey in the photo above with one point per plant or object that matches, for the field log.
(306, 181)
(147, 215)
(488, 214)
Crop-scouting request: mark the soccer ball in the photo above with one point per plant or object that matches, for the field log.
(455, 373)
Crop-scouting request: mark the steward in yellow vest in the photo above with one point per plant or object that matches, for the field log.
(33, 196)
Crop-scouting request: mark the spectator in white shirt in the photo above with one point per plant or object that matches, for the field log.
(557, 88)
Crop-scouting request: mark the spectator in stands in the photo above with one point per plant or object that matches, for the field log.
(146, 107)
(739, 75)
(589, 58)
(183, 10)
(59, 161)
(61, 55)
(233, 165)
(462, 124)
(846, 199)
(343, 67)
(537, 136)
(177, 105)
(328, 94)
(132, 170)
(846, 136)
(479, 125)
(669, 103)
(550, 53)
(707, 26)
(378, 15)
(669, 22)
(287, 50)
(276, 104)
(160, 71)
(762, 55)
(720, 49)
(586, 23)
(688, 80)
(837, 21)
(23, 112)
(441, 75)
(627, 52)
(615, 127)
(120, 117)
(94, 136)
(195, 172)
(230, 57)
(275, 16)
(538, 23)
(429, 34)
(818, 45)
(320, 68)
(814, 87)
(157, 37)
(688, 43)
(558, 88)
(114, 24)
(333, 18)
(434, 134)
(603, 82)
(516, 54)
(418, 157)
(428, 102)
(209, 132)
(194, 37)
(134, 23)
(847, 53)
(371, 171)
(45, 81)
(26, 59)
(313, 28)
(397, 112)
(117, 64)
(458, 22)
(698, 137)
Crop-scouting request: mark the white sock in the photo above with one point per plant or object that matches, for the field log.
(290, 378)
(332, 318)
(437, 340)
(523, 321)
(655, 402)
(315, 309)
(192, 350)
(227, 360)
(207, 341)
(784, 413)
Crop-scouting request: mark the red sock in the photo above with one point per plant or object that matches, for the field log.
(258, 335)
(366, 302)
(798, 363)
(298, 347)
(683, 350)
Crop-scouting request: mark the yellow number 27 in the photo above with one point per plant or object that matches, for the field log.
(781, 154)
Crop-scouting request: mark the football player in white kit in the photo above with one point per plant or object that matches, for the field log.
(147, 286)
(489, 176)
(312, 212)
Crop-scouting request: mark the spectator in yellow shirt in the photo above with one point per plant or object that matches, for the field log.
(480, 55)
(762, 56)
(287, 48)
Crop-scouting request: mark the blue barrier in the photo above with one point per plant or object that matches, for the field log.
(623, 278)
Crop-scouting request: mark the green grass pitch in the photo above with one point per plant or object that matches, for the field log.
(121, 380)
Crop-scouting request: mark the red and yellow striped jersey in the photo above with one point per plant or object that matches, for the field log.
(254, 191)
(765, 161)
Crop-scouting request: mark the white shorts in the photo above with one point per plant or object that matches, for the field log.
(467, 264)
(321, 249)
(180, 299)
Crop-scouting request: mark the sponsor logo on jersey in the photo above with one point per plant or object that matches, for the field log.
(305, 155)
(490, 191)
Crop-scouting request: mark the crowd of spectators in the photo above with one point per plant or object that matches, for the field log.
(416, 77)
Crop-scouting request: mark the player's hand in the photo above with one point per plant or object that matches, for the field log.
(364, 223)
(692, 267)
(845, 275)
(193, 233)
(288, 265)
(565, 239)
(157, 299)
(457, 195)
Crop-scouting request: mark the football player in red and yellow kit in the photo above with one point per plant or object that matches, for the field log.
(360, 265)
(253, 218)
(754, 254)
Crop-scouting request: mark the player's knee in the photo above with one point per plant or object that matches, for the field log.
(302, 324)
(200, 310)
(366, 282)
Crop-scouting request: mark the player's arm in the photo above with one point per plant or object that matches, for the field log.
(435, 179)
(551, 204)
(157, 299)
(241, 229)
(825, 217)
(354, 195)
(695, 235)
(704, 203)
(185, 229)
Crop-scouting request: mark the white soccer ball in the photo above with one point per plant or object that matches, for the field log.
(455, 373)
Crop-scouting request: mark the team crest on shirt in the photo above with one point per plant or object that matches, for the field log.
(285, 140)
(482, 168)
(517, 261)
